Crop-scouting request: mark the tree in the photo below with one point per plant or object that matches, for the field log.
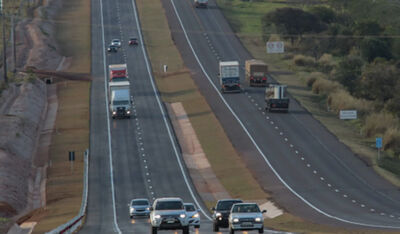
(349, 71)
(372, 48)
(325, 14)
(378, 81)
(292, 22)
(368, 28)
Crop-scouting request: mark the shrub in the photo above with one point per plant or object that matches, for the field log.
(313, 77)
(324, 86)
(391, 140)
(326, 63)
(304, 61)
(342, 100)
(379, 123)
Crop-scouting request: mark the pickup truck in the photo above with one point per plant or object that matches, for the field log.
(168, 214)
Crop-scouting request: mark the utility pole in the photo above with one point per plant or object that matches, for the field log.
(4, 42)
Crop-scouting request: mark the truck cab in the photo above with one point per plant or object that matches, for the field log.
(276, 99)
(229, 76)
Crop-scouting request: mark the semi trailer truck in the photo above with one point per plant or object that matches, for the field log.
(256, 72)
(276, 99)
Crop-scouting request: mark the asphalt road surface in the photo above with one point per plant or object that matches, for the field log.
(136, 157)
(292, 155)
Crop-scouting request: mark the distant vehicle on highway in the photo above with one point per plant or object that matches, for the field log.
(133, 41)
(276, 99)
(117, 72)
(193, 214)
(200, 3)
(245, 217)
(112, 49)
(168, 214)
(221, 213)
(116, 42)
(120, 99)
(256, 72)
(139, 207)
(229, 76)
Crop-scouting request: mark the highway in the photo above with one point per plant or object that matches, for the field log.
(307, 169)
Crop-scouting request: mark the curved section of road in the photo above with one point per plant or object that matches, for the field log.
(306, 158)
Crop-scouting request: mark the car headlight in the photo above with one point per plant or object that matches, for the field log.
(128, 112)
(157, 216)
(182, 216)
(258, 219)
(132, 209)
(114, 112)
(148, 208)
(235, 220)
(218, 214)
(195, 215)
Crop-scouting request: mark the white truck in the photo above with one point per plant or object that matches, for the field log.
(200, 3)
(229, 76)
(120, 99)
(276, 99)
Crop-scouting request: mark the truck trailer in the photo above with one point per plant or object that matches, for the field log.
(117, 72)
(256, 72)
(120, 99)
(229, 76)
(275, 98)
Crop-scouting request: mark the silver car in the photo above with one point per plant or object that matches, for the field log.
(245, 217)
(193, 215)
(168, 214)
(116, 42)
(139, 207)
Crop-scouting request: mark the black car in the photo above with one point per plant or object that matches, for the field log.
(112, 48)
(221, 213)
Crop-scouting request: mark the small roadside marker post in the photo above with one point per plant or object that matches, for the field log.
(71, 158)
(378, 142)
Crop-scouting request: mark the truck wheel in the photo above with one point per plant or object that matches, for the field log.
(185, 230)
(261, 230)
(215, 227)
(153, 230)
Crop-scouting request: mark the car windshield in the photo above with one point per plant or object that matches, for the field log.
(226, 205)
(245, 208)
(115, 40)
(169, 205)
(190, 208)
(140, 203)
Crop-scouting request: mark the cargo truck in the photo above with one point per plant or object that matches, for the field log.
(229, 76)
(120, 99)
(118, 72)
(256, 72)
(200, 3)
(275, 98)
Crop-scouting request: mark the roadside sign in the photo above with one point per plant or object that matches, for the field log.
(379, 142)
(275, 47)
(348, 114)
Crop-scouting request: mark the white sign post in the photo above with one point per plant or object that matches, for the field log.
(275, 47)
(348, 114)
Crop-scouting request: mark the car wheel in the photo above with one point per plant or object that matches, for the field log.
(231, 231)
(153, 230)
(197, 226)
(185, 230)
(215, 227)
(261, 230)
(131, 216)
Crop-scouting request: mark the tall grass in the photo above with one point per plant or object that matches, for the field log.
(325, 86)
(379, 123)
(391, 140)
(303, 61)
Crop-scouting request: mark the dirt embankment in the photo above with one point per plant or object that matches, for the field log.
(23, 110)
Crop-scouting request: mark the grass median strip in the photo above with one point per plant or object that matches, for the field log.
(178, 86)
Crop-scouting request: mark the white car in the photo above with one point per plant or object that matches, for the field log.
(139, 207)
(245, 217)
(193, 215)
(168, 214)
(116, 42)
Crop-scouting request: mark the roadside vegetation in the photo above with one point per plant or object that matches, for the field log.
(342, 55)
(64, 181)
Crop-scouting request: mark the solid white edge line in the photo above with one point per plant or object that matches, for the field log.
(116, 227)
(255, 144)
(163, 113)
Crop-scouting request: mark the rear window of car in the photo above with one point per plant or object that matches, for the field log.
(140, 203)
(190, 208)
(226, 205)
(169, 205)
